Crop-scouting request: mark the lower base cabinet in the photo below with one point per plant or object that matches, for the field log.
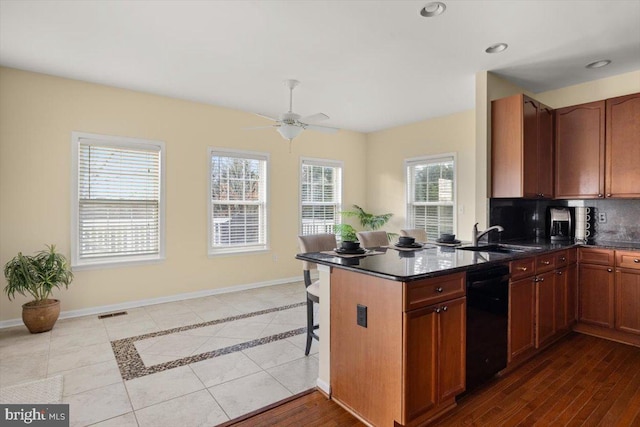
(596, 295)
(435, 363)
(627, 316)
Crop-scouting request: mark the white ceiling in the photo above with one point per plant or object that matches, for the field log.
(369, 65)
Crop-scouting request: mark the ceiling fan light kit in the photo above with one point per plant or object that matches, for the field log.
(290, 124)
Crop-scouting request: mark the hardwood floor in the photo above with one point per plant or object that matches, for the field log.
(580, 381)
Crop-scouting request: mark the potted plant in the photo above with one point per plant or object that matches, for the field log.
(37, 275)
(367, 220)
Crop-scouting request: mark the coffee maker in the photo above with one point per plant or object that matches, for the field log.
(560, 224)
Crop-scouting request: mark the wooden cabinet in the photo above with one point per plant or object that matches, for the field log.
(435, 361)
(580, 151)
(521, 148)
(406, 364)
(596, 290)
(598, 149)
(627, 292)
(545, 308)
(541, 301)
(522, 300)
(623, 147)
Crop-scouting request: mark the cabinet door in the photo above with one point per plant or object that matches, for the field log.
(545, 307)
(545, 151)
(623, 146)
(560, 299)
(628, 301)
(530, 148)
(521, 315)
(451, 349)
(572, 293)
(420, 362)
(595, 295)
(580, 151)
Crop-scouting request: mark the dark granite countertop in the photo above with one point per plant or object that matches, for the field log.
(406, 266)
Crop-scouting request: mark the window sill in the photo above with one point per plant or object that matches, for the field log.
(116, 263)
(215, 253)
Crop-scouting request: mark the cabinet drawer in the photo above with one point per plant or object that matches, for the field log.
(561, 259)
(596, 256)
(627, 259)
(431, 291)
(522, 268)
(546, 262)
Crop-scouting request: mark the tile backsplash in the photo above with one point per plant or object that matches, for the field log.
(527, 219)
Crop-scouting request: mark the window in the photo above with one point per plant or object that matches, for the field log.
(320, 195)
(238, 201)
(118, 203)
(431, 194)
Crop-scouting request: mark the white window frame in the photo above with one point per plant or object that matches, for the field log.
(326, 163)
(232, 250)
(123, 142)
(409, 191)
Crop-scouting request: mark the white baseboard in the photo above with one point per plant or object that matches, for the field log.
(151, 301)
(324, 386)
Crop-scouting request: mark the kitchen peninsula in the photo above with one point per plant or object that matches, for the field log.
(392, 317)
(393, 325)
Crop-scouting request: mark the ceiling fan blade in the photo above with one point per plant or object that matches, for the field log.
(325, 129)
(314, 118)
(260, 127)
(266, 117)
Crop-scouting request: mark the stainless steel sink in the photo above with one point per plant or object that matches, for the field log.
(500, 248)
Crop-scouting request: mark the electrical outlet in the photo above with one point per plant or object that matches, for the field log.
(362, 316)
(602, 217)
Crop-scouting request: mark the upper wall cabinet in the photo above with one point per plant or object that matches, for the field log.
(580, 151)
(521, 148)
(622, 156)
(598, 149)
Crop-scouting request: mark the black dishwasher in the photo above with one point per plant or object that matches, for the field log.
(487, 323)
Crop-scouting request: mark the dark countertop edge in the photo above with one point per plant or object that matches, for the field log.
(507, 258)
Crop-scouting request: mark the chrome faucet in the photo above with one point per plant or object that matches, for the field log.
(475, 236)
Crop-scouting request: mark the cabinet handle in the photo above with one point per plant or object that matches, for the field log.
(439, 289)
(636, 260)
(546, 262)
(541, 279)
(600, 195)
(445, 308)
(525, 268)
(559, 273)
(608, 194)
(437, 310)
(609, 270)
(563, 259)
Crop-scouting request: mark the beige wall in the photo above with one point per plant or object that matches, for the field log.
(38, 114)
(388, 149)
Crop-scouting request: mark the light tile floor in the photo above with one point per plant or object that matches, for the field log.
(203, 393)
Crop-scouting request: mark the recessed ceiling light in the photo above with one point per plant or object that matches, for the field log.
(599, 64)
(433, 9)
(495, 48)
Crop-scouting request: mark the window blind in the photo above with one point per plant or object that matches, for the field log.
(321, 196)
(118, 200)
(238, 201)
(430, 195)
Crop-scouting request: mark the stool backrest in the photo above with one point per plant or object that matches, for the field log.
(417, 233)
(316, 243)
(372, 239)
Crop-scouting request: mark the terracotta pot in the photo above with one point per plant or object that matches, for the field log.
(41, 317)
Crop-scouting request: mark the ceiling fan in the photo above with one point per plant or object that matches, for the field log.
(290, 124)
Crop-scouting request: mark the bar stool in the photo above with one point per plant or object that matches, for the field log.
(313, 243)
